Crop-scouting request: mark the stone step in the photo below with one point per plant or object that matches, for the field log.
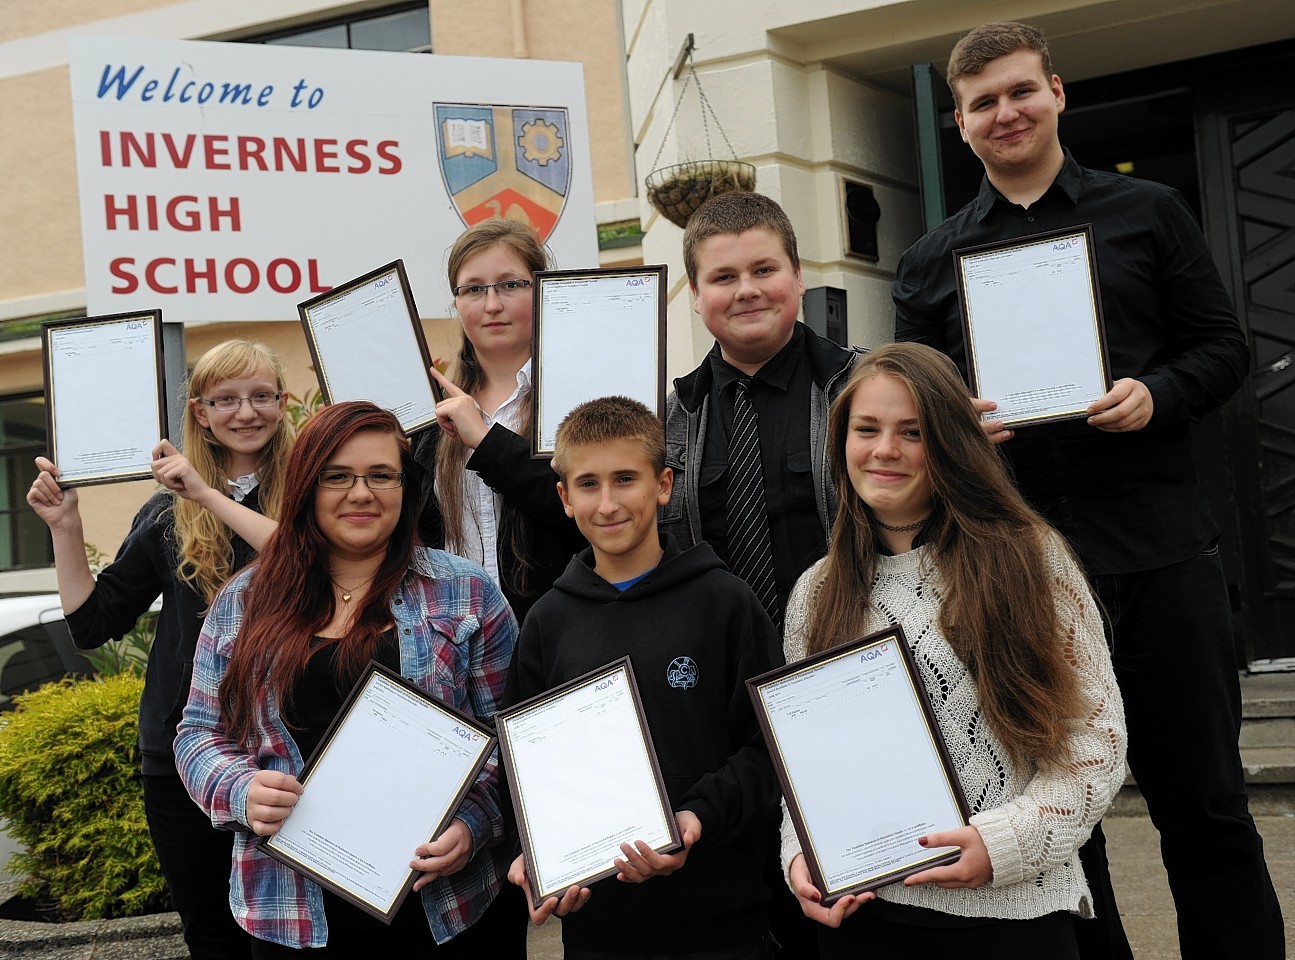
(1269, 765)
(154, 937)
(1270, 784)
(1265, 800)
(1268, 695)
(1268, 732)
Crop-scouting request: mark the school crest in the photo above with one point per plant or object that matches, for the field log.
(682, 673)
(505, 161)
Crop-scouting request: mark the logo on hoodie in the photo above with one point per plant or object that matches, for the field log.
(682, 673)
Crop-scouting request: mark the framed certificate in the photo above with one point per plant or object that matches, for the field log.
(584, 779)
(596, 333)
(388, 775)
(105, 396)
(861, 762)
(367, 343)
(1032, 323)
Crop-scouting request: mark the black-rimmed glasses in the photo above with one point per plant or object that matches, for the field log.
(342, 480)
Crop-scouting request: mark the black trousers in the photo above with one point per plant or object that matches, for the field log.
(195, 859)
(1171, 635)
(761, 949)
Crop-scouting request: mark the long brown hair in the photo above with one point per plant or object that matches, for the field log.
(290, 596)
(451, 454)
(998, 612)
(203, 543)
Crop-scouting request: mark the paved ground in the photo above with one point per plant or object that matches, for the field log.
(1140, 887)
(1135, 861)
(1143, 892)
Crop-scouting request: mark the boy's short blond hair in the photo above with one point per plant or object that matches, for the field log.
(601, 421)
(987, 43)
(736, 212)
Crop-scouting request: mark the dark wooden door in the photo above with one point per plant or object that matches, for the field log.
(1246, 146)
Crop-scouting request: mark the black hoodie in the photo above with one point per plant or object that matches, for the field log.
(694, 633)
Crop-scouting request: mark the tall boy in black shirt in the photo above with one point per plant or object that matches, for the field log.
(1121, 485)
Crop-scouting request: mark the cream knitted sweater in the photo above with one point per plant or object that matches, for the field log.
(1032, 823)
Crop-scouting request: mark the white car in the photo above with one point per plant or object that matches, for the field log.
(35, 647)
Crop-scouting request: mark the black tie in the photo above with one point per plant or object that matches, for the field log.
(750, 550)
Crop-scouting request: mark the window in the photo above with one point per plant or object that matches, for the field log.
(24, 538)
(407, 27)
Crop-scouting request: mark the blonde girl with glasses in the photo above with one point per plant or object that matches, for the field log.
(218, 507)
(489, 501)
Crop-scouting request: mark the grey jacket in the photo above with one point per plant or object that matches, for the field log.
(685, 435)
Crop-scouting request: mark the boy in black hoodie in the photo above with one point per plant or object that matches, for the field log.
(694, 633)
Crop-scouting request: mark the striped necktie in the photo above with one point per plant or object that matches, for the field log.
(750, 549)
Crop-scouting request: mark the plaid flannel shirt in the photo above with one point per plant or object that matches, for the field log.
(456, 637)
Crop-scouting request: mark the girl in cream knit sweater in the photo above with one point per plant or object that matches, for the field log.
(1008, 644)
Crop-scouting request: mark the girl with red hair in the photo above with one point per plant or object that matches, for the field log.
(343, 581)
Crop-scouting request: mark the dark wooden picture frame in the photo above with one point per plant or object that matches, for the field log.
(487, 747)
(813, 861)
(419, 339)
(506, 753)
(963, 254)
(543, 371)
(49, 330)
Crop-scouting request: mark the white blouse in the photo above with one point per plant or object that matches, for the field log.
(481, 505)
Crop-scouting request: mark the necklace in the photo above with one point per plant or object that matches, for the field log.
(347, 593)
(905, 528)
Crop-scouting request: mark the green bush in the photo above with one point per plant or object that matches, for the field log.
(70, 791)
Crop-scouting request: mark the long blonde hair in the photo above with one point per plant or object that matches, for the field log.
(204, 544)
(998, 612)
(452, 454)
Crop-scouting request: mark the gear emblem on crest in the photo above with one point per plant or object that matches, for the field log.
(540, 142)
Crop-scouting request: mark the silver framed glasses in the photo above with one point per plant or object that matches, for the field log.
(504, 288)
(259, 401)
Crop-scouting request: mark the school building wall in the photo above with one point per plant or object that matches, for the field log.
(41, 270)
(814, 92)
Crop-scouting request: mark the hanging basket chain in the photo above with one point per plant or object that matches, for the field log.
(676, 191)
(692, 77)
(707, 108)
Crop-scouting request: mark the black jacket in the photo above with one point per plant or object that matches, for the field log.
(532, 512)
(145, 567)
(694, 633)
(688, 417)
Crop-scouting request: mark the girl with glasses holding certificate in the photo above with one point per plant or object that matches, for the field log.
(187, 540)
(341, 582)
(1008, 642)
(487, 499)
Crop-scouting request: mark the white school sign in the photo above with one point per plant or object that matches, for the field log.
(229, 181)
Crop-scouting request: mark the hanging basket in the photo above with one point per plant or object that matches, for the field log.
(677, 191)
